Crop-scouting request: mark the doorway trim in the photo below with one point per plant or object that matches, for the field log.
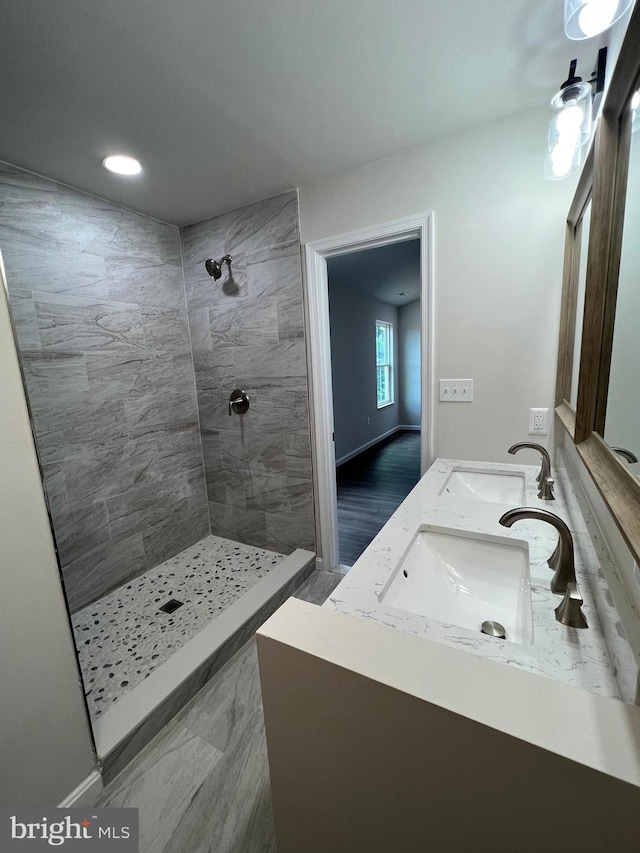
(316, 253)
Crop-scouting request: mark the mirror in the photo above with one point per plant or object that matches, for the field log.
(622, 419)
(582, 241)
(598, 404)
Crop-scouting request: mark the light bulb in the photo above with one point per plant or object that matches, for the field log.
(596, 16)
(635, 101)
(122, 165)
(569, 123)
(561, 159)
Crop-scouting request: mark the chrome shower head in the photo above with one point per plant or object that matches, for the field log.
(214, 268)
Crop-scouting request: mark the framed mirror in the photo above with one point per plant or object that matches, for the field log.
(607, 403)
(622, 412)
(572, 310)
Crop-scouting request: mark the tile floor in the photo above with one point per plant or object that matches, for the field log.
(124, 636)
(202, 785)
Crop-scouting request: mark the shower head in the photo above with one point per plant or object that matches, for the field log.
(214, 268)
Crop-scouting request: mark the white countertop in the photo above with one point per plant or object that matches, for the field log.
(576, 657)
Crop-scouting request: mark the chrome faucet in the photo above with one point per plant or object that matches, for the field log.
(544, 475)
(569, 611)
(626, 454)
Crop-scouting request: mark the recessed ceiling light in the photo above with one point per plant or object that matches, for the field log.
(122, 164)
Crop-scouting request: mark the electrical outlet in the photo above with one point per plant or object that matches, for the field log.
(538, 421)
(368, 421)
(456, 390)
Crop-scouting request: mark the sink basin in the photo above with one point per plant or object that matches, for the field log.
(464, 579)
(504, 487)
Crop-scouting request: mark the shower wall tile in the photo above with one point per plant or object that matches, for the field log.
(247, 331)
(97, 295)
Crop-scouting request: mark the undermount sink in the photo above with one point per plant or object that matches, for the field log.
(464, 579)
(504, 487)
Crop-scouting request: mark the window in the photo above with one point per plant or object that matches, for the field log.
(384, 363)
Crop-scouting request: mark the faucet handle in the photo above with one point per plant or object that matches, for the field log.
(569, 611)
(546, 489)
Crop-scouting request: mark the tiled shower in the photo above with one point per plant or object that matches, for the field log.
(130, 351)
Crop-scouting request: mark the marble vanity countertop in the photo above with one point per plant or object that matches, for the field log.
(576, 657)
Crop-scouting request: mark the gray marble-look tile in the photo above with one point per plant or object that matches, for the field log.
(200, 329)
(290, 318)
(246, 324)
(79, 529)
(318, 587)
(55, 487)
(257, 454)
(229, 487)
(98, 474)
(55, 380)
(291, 529)
(69, 322)
(186, 524)
(245, 525)
(97, 572)
(266, 224)
(279, 276)
(23, 313)
(167, 777)
(165, 329)
(257, 365)
(297, 454)
(152, 413)
(146, 282)
(135, 510)
(78, 428)
(215, 371)
(276, 494)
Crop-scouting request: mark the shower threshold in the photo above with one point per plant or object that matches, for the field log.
(141, 664)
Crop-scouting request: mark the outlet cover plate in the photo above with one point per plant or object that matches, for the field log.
(456, 390)
(538, 421)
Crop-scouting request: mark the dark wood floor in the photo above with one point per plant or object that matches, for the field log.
(371, 487)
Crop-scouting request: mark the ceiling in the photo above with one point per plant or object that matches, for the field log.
(229, 101)
(383, 273)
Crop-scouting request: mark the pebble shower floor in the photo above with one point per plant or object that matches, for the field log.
(124, 636)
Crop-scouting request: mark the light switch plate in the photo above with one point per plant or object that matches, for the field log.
(456, 390)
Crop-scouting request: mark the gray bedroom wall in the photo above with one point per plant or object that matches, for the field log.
(357, 420)
(97, 296)
(409, 363)
(247, 332)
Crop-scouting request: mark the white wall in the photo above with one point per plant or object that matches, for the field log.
(409, 363)
(45, 742)
(498, 266)
(353, 317)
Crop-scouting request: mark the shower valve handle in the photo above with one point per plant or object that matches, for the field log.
(238, 402)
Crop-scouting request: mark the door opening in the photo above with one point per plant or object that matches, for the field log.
(392, 394)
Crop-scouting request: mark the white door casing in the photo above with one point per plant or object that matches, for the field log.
(319, 350)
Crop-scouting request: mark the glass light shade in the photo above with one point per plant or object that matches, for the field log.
(584, 19)
(570, 118)
(562, 160)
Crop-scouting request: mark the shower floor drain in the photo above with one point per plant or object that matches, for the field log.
(172, 605)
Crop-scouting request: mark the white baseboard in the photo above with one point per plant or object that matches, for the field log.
(373, 441)
(411, 427)
(366, 446)
(86, 794)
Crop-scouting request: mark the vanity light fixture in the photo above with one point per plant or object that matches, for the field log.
(584, 19)
(570, 121)
(121, 164)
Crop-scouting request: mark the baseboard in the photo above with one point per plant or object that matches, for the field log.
(366, 446)
(410, 427)
(86, 794)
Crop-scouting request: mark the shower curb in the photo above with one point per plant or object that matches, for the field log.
(137, 718)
